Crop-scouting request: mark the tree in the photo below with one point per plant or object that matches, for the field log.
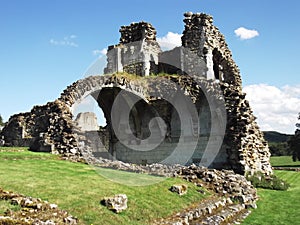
(294, 142)
(1, 121)
(279, 149)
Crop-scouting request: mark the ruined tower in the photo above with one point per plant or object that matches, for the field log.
(137, 52)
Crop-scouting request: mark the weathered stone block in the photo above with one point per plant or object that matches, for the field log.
(117, 203)
(180, 189)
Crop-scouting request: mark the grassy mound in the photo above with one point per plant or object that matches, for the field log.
(78, 188)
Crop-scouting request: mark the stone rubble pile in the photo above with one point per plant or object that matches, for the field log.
(151, 169)
(34, 211)
(222, 182)
(210, 211)
(236, 196)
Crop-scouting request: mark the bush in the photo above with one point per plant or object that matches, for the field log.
(260, 180)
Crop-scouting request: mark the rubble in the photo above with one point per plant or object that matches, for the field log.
(117, 203)
(33, 211)
(234, 197)
(180, 189)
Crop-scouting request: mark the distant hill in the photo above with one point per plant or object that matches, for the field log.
(274, 136)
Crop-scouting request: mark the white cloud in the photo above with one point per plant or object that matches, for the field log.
(100, 52)
(244, 33)
(292, 90)
(170, 41)
(66, 41)
(276, 108)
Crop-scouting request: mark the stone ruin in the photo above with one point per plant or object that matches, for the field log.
(202, 69)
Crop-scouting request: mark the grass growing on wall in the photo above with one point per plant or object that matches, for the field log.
(78, 188)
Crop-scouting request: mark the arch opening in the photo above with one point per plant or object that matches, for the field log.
(105, 143)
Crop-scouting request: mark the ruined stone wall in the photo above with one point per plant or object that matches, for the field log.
(205, 39)
(46, 128)
(137, 32)
(51, 126)
(243, 149)
(87, 121)
(137, 53)
(16, 131)
(246, 142)
(246, 146)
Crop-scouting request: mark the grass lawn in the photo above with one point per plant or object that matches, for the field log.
(284, 161)
(78, 188)
(279, 207)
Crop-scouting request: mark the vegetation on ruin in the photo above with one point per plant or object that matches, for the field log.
(259, 180)
(78, 188)
(137, 77)
(5, 205)
(274, 182)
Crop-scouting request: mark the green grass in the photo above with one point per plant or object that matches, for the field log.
(79, 188)
(5, 205)
(128, 178)
(278, 207)
(284, 161)
(21, 153)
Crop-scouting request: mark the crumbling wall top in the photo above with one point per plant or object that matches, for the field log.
(194, 19)
(137, 32)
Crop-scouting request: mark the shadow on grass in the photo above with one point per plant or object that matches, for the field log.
(287, 166)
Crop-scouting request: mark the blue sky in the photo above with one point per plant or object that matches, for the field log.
(47, 45)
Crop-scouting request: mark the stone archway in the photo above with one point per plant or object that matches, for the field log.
(104, 90)
(148, 95)
(84, 87)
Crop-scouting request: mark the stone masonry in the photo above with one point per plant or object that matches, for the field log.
(137, 52)
(202, 68)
